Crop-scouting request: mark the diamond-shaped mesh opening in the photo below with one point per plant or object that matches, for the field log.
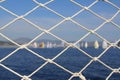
(44, 18)
(21, 31)
(88, 20)
(92, 45)
(104, 11)
(51, 72)
(7, 75)
(5, 18)
(15, 6)
(23, 62)
(73, 59)
(65, 8)
(47, 46)
(87, 17)
(109, 32)
(96, 71)
(111, 57)
(115, 76)
(68, 31)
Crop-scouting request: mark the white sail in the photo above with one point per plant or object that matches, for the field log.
(86, 44)
(82, 44)
(104, 45)
(49, 45)
(62, 44)
(35, 45)
(96, 45)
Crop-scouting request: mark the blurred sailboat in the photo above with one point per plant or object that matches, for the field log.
(35, 45)
(86, 44)
(82, 44)
(96, 45)
(42, 45)
(104, 45)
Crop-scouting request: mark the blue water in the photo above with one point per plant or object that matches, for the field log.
(24, 62)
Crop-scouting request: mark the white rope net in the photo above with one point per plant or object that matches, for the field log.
(79, 74)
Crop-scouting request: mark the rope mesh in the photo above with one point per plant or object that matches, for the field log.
(48, 31)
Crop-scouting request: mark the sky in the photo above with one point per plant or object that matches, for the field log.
(46, 19)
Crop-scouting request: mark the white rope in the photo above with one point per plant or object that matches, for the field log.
(2, 0)
(48, 31)
(25, 78)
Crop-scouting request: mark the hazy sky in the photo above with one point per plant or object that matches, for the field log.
(46, 19)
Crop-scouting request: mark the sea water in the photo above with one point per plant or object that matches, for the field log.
(24, 62)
